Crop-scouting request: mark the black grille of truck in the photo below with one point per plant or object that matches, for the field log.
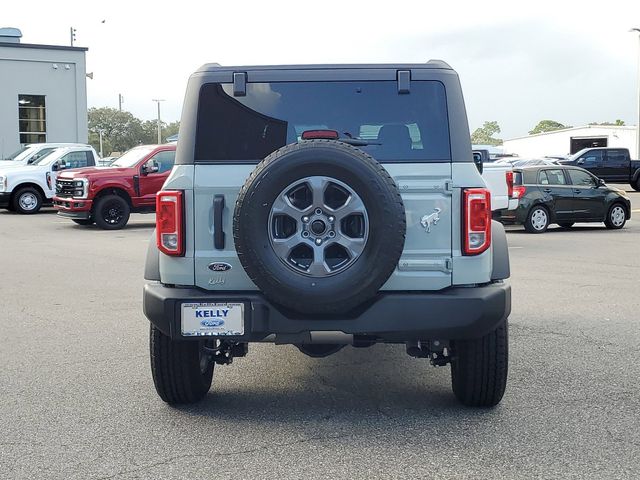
(64, 188)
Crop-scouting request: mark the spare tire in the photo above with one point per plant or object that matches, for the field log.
(319, 226)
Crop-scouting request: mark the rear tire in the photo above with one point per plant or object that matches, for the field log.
(616, 217)
(82, 221)
(537, 220)
(636, 185)
(181, 372)
(111, 212)
(27, 201)
(479, 368)
(566, 224)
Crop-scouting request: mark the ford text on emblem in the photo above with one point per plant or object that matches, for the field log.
(219, 267)
(212, 323)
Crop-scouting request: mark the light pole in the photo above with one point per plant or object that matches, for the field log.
(637, 30)
(100, 132)
(158, 100)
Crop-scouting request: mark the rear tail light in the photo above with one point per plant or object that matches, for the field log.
(509, 179)
(477, 220)
(169, 223)
(519, 191)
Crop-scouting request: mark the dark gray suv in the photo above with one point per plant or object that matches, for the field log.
(324, 206)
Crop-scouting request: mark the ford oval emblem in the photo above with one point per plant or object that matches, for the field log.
(212, 323)
(219, 267)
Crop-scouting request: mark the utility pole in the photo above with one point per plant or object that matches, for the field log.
(100, 132)
(637, 30)
(120, 101)
(158, 100)
(72, 34)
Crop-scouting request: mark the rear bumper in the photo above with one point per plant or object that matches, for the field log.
(454, 313)
(5, 198)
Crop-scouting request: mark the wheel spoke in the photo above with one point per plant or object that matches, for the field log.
(283, 246)
(351, 206)
(318, 267)
(317, 186)
(354, 246)
(282, 206)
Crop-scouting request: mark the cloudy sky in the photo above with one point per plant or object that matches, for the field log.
(574, 62)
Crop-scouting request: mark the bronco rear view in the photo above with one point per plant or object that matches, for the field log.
(323, 206)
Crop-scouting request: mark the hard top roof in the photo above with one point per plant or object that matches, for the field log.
(431, 64)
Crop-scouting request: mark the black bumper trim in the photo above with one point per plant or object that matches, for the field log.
(75, 215)
(454, 313)
(5, 198)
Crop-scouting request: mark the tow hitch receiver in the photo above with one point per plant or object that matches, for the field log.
(437, 351)
(224, 352)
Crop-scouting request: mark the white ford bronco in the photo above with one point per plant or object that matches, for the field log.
(324, 206)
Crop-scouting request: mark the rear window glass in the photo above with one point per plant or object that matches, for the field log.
(400, 127)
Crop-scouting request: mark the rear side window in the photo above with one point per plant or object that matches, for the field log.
(517, 178)
(400, 128)
(616, 156)
(552, 177)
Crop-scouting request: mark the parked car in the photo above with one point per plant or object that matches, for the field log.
(610, 164)
(30, 153)
(275, 225)
(25, 188)
(107, 196)
(565, 195)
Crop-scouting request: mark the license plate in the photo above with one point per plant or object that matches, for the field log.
(205, 319)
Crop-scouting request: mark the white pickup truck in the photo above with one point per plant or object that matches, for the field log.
(25, 188)
(499, 180)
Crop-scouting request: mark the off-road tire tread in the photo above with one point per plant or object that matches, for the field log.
(175, 369)
(394, 216)
(479, 368)
(98, 217)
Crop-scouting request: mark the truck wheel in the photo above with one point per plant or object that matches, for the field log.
(27, 200)
(319, 226)
(82, 221)
(636, 185)
(537, 220)
(616, 217)
(479, 368)
(181, 372)
(111, 212)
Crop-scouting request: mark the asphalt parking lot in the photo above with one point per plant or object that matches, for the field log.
(77, 399)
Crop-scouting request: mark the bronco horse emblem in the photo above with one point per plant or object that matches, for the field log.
(431, 219)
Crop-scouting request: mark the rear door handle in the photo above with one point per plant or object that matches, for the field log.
(218, 232)
(546, 190)
(577, 190)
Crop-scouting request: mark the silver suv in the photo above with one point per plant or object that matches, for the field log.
(324, 206)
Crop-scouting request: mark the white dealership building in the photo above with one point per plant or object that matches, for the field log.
(43, 93)
(570, 140)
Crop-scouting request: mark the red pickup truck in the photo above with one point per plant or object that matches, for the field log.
(107, 195)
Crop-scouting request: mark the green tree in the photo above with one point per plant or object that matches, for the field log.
(484, 135)
(547, 126)
(120, 129)
(617, 123)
